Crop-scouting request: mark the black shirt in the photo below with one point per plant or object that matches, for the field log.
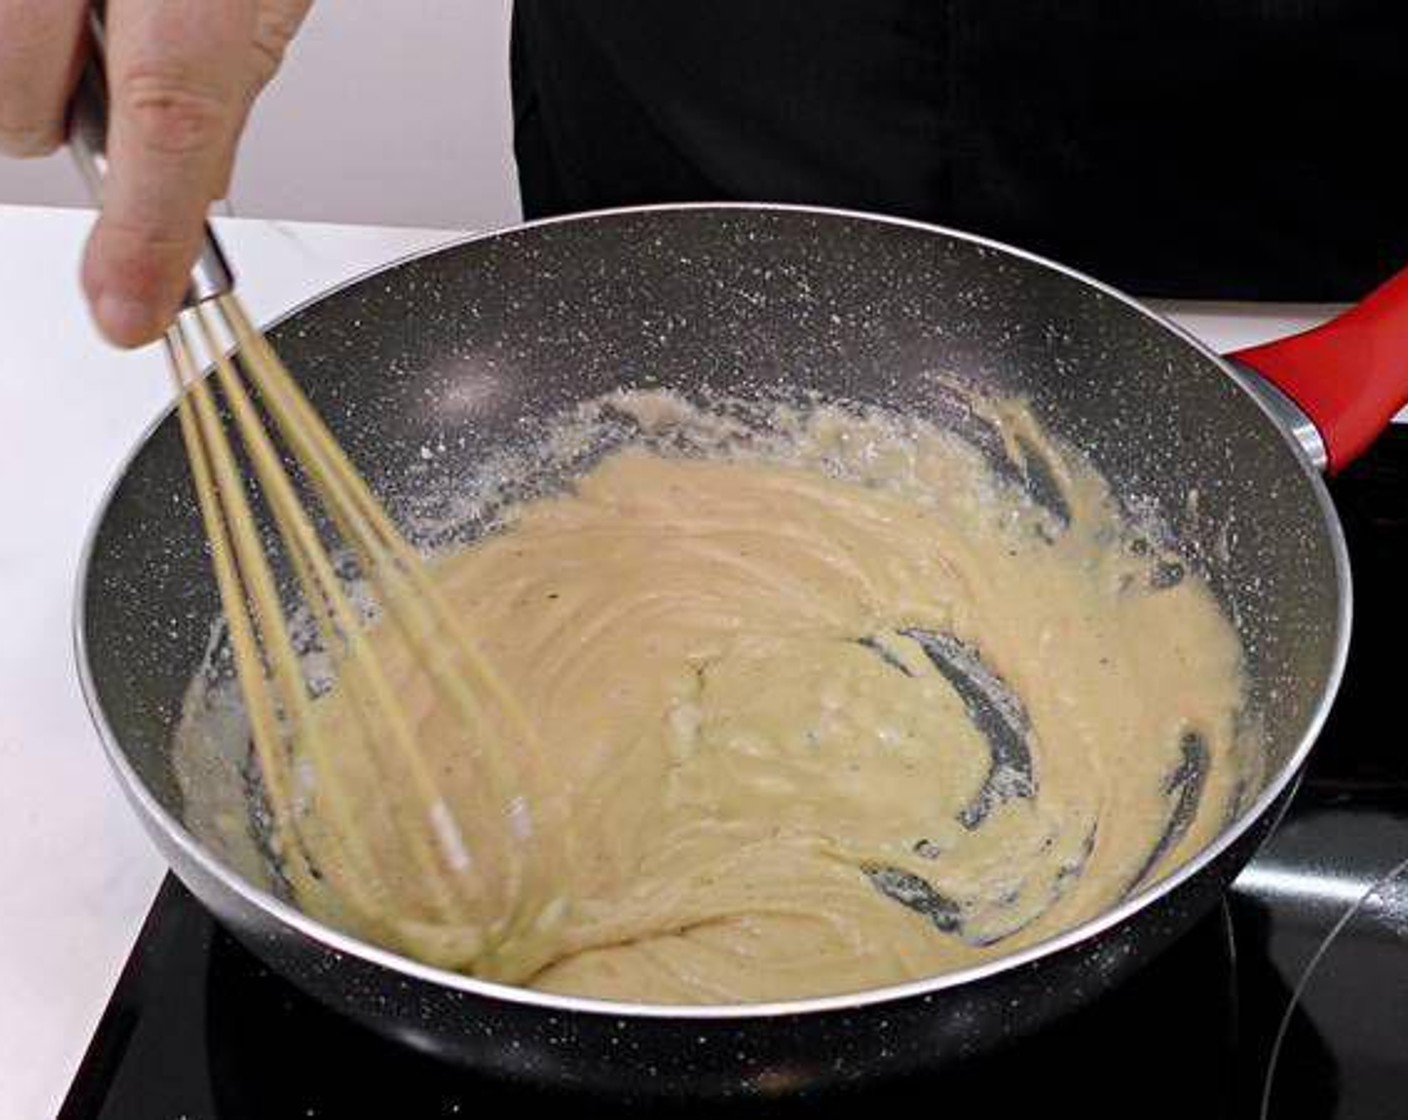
(1236, 148)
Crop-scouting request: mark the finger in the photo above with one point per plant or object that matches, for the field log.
(177, 79)
(276, 24)
(41, 42)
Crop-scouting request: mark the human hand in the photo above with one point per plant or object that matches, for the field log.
(182, 76)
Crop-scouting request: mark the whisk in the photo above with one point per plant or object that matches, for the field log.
(454, 880)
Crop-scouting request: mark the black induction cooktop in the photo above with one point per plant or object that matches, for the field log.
(1292, 996)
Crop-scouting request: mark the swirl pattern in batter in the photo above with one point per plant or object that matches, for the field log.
(830, 718)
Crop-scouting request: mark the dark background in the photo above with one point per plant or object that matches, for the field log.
(1232, 148)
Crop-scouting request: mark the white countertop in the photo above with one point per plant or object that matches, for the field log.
(76, 873)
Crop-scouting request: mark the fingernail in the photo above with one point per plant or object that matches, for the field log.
(124, 320)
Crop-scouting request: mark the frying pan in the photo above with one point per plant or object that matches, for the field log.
(466, 348)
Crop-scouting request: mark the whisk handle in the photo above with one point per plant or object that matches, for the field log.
(87, 141)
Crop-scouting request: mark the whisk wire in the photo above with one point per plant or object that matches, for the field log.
(274, 690)
(344, 491)
(245, 581)
(336, 616)
(492, 915)
(258, 704)
(412, 599)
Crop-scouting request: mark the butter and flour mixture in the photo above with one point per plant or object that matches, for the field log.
(846, 704)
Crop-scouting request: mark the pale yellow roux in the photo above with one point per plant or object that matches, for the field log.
(728, 756)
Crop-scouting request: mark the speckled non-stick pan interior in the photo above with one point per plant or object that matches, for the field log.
(427, 369)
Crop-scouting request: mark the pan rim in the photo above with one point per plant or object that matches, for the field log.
(174, 831)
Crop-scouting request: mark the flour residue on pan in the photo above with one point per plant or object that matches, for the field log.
(836, 698)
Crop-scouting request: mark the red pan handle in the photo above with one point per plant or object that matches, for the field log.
(1348, 376)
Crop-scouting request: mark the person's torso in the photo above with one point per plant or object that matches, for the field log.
(1201, 147)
